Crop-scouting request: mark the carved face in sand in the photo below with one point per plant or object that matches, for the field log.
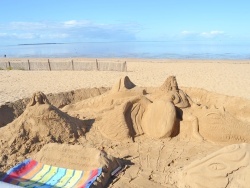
(214, 170)
(38, 98)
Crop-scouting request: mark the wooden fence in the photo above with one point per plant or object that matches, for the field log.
(55, 65)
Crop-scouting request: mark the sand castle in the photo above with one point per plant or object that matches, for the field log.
(143, 129)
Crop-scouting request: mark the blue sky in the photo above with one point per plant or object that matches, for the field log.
(42, 21)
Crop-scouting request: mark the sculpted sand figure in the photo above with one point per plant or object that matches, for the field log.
(38, 98)
(213, 124)
(227, 167)
(182, 101)
(138, 116)
(159, 118)
(110, 110)
(39, 124)
(126, 112)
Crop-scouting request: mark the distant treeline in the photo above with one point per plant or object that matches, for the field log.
(39, 44)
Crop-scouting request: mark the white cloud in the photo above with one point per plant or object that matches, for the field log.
(67, 31)
(26, 25)
(212, 34)
(3, 34)
(55, 35)
(25, 35)
(187, 33)
(19, 35)
(38, 26)
(75, 23)
(71, 22)
(206, 35)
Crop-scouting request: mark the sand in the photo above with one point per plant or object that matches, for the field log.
(164, 134)
(221, 76)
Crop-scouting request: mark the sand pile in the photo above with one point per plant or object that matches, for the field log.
(39, 124)
(10, 111)
(164, 135)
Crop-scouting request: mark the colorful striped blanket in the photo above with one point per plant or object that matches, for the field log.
(31, 173)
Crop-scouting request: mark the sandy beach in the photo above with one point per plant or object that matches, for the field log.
(162, 123)
(228, 77)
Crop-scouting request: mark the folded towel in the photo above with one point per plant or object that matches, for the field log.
(31, 173)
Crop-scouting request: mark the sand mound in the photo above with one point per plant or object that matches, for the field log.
(39, 124)
(79, 158)
(10, 111)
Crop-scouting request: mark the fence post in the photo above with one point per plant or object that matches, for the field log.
(72, 64)
(124, 67)
(97, 67)
(49, 65)
(29, 64)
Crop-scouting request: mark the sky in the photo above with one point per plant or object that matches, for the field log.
(70, 21)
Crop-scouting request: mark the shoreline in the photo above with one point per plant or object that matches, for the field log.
(160, 60)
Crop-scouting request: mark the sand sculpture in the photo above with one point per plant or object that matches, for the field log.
(228, 167)
(39, 124)
(135, 113)
(170, 91)
(79, 157)
(213, 124)
(128, 112)
(165, 112)
(128, 104)
(38, 98)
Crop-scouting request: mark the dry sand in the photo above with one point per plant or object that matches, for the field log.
(140, 126)
(221, 76)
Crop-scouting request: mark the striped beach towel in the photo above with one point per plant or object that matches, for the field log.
(31, 173)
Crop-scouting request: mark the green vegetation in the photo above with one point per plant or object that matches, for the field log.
(20, 68)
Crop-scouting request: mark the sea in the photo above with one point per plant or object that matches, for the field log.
(127, 49)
